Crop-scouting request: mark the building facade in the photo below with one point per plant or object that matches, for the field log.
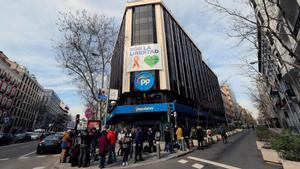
(278, 57)
(10, 80)
(158, 69)
(53, 112)
(230, 104)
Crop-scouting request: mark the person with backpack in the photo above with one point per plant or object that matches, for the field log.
(112, 138)
(222, 131)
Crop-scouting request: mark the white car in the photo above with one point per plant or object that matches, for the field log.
(35, 136)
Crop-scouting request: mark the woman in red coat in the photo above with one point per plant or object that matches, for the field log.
(103, 146)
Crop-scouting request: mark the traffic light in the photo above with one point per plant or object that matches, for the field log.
(77, 118)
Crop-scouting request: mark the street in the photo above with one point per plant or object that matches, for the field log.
(23, 156)
(239, 152)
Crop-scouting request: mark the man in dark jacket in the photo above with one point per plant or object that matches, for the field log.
(200, 137)
(139, 144)
(168, 144)
(84, 157)
(150, 138)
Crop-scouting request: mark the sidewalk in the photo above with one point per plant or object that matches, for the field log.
(149, 158)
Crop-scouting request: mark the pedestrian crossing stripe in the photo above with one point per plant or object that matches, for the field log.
(4, 159)
(40, 156)
(212, 163)
(198, 166)
(182, 161)
(22, 157)
(39, 167)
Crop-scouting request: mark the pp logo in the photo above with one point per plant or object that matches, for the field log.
(144, 81)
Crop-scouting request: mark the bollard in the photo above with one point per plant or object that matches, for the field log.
(134, 152)
(157, 149)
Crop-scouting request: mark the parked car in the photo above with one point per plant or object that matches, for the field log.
(51, 143)
(5, 138)
(22, 137)
(35, 136)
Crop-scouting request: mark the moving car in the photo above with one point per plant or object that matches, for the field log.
(51, 143)
(5, 138)
(22, 137)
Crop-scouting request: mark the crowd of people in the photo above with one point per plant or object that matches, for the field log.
(80, 147)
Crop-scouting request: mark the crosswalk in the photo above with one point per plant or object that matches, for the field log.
(199, 163)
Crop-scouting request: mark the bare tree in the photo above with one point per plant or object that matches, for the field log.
(85, 50)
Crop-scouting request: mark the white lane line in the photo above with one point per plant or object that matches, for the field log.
(198, 166)
(212, 162)
(28, 154)
(4, 159)
(39, 167)
(40, 156)
(182, 161)
(56, 155)
(22, 158)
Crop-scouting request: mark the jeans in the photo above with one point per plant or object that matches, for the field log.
(138, 152)
(112, 153)
(102, 160)
(200, 143)
(182, 144)
(126, 153)
(83, 157)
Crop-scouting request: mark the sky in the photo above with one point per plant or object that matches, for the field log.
(28, 31)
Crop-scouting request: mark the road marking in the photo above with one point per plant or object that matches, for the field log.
(212, 162)
(38, 167)
(56, 155)
(28, 154)
(198, 166)
(182, 161)
(22, 158)
(4, 159)
(40, 156)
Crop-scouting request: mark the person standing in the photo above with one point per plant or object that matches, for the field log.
(200, 137)
(167, 134)
(112, 138)
(179, 136)
(103, 146)
(126, 139)
(186, 136)
(222, 131)
(64, 146)
(150, 139)
(139, 144)
(84, 149)
(120, 136)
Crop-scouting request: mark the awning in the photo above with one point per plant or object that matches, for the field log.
(132, 110)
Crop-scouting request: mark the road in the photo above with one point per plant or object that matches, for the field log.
(23, 156)
(239, 152)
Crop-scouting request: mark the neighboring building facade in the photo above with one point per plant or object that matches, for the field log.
(276, 63)
(230, 104)
(21, 100)
(53, 112)
(156, 66)
(10, 80)
(27, 103)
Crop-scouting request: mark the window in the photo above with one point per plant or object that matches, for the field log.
(143, 25)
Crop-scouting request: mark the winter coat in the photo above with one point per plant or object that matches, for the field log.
(167, 134)
(103, 144)
(112, 137)
(138, 137)
(200, 134)
(126, 139)
(179, 133)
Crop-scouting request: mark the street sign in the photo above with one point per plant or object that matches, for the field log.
(88, 112)
(113, 94)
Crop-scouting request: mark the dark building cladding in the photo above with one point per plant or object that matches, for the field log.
(192, 82)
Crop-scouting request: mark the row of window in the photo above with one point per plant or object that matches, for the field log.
(190, 77)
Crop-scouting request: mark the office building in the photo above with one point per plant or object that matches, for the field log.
(157, 69)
